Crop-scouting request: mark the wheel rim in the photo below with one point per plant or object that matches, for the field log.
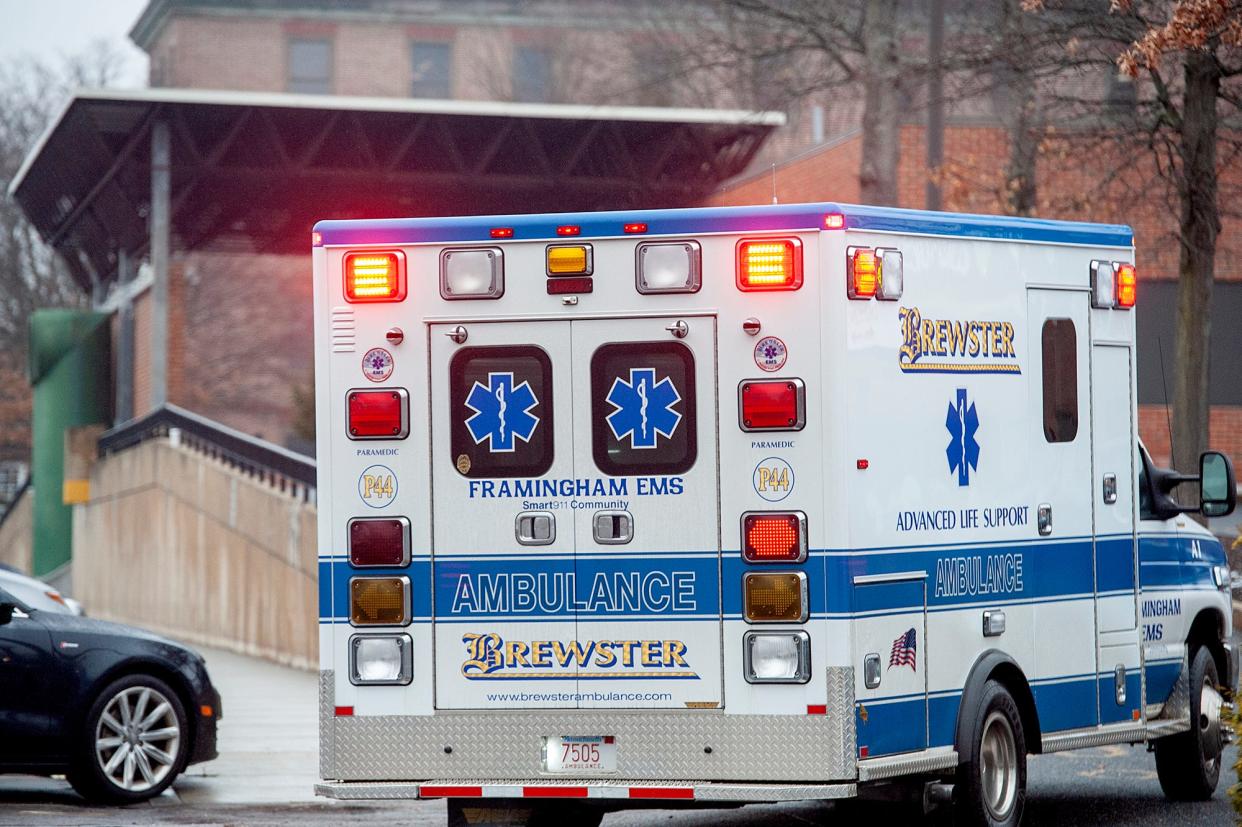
(137, 738)
(1209, 724)
(998, 755)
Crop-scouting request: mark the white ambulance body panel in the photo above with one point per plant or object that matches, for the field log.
(576, 472)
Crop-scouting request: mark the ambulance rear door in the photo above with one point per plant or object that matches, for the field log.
(648, 535)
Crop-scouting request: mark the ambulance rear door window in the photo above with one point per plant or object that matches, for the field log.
(501, 403)
(642, 408)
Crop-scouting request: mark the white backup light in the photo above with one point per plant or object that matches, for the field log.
(669, 267)
(380, 659)
(777, 657)
(477, 273)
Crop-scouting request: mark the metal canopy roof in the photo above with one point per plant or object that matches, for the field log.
(255, 171)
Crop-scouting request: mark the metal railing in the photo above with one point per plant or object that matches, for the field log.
(286, 470)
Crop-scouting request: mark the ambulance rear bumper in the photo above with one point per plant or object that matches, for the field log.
(695, 746)
(632, 791)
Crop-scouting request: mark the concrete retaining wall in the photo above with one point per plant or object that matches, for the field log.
(182, 544)
(17, 533)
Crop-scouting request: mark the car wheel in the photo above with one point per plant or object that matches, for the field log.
(991, 787)
(1188, 763)
(133, 744)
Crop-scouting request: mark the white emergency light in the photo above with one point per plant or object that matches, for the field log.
(381, 660)
(1103, 284)
(668, 267)
(892, 275)
(777, 657)
(477, 273)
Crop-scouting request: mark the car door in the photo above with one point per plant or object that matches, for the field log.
(28, 668)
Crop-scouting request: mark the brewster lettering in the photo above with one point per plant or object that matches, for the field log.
(987, 346)
(491, 657)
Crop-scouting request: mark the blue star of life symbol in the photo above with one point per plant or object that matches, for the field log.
(963, 450)
(644, 408)
(501, 413)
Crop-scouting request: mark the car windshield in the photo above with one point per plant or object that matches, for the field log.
(34, 594)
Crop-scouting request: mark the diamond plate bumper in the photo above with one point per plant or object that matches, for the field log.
(692, 745)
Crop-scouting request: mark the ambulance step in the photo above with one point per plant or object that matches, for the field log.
(544, 789)
(1127, 733)
(917, 763)
(1161, 728)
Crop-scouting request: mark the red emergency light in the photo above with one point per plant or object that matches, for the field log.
(769, 264)
(383, 541)
(375, 276)
(834, 221)
(637, 227)
(379, 414)
(502, 232)
(568, 229)
(772, 405)
(773, 537)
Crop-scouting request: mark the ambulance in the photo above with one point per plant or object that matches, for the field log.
(712, 506)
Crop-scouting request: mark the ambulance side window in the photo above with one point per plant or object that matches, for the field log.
(501, 402)
(1060, 358)
(642, 408)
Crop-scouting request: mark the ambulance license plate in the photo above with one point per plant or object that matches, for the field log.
(580, 753)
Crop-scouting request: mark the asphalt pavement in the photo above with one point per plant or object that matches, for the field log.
(268, 764)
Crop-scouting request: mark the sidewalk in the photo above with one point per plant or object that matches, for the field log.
(268, 736)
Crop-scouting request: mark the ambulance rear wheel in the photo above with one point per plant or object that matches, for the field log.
(1188, 764)
(991, 786)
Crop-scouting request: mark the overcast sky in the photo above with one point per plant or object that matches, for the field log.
(52, 29)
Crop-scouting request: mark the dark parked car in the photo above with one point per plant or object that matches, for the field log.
(118, 710)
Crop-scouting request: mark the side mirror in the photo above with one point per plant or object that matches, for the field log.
(6, 613)
(1218, 489)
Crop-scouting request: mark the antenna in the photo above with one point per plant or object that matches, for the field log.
(774, 201)
(1168, 417)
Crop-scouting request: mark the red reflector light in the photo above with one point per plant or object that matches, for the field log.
(863, 464)
(834, 221)
(817, 709)
(570, 285)
(449, 791)
(379, 414)
(769, 264)
(568, 229)
(773, 537)
(502, 232)
(1127, 285)
(379, 542)
(375, 277)
(636, 228)
(772, 405)
(864, 274)
(344, 711)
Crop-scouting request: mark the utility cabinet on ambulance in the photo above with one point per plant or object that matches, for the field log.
(747, 504)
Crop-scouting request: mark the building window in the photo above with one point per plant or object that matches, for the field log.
(1060, 357)
(310, 66)
(532, 75)
(432, 69)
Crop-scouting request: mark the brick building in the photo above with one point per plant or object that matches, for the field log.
(582, 52)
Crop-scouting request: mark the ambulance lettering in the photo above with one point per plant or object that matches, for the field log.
(773, 479)
(491, 657)
(963, 346)
(553, 593)
(377, 486)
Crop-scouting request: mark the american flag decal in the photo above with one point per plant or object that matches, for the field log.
(905, 651)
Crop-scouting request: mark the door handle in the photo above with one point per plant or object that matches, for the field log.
(1110, 489)
(679, 329)
(613, 528)
(535, 528)
(1044, 519)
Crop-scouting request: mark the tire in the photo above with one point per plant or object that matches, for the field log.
(991, 786)
(133, 743)
(1188, 763)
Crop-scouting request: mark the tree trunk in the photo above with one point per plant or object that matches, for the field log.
(1023, 116)
(881, 122)
(1200, 225)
